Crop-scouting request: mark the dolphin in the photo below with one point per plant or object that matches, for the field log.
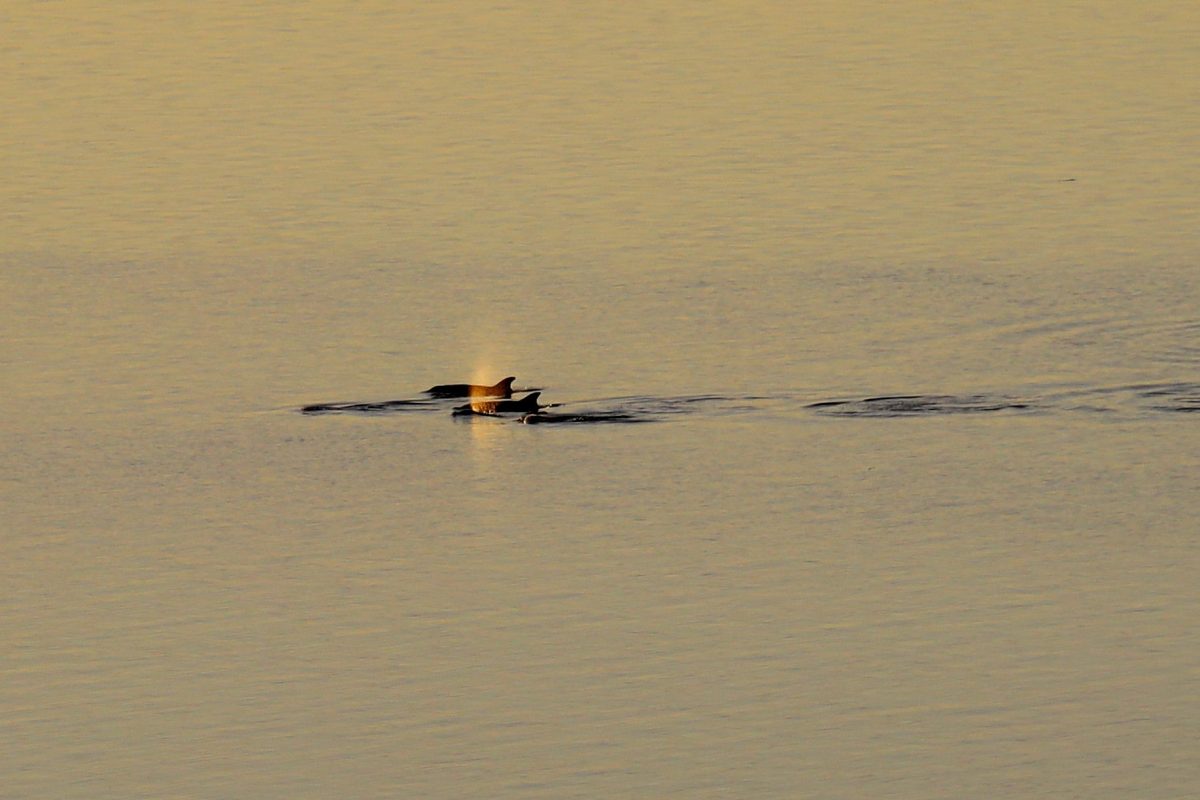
(526, 405)
(501, 389)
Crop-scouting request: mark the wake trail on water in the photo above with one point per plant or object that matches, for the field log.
(1130, 400)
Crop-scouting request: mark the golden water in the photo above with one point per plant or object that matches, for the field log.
(213, 214)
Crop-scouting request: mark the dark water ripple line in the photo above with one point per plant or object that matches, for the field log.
(911, 405)
(382, 407)
(1135, 399)
(1123, 399)
(1173, 396)
(1180, 397)
(599, 417)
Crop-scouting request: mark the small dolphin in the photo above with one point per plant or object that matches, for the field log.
(501, 389)
(526, 405)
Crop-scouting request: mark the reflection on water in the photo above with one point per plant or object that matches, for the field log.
(909, 289)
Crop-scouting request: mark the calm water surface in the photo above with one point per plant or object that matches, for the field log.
(743, 225)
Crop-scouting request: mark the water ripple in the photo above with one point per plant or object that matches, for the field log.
(1134, 399)
(1174, 340)
(382, 407)
(921, 404)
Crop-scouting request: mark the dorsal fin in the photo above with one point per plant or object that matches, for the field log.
(504, 386)
(531, 400)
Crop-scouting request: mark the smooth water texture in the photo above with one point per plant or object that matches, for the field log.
(903, 298)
